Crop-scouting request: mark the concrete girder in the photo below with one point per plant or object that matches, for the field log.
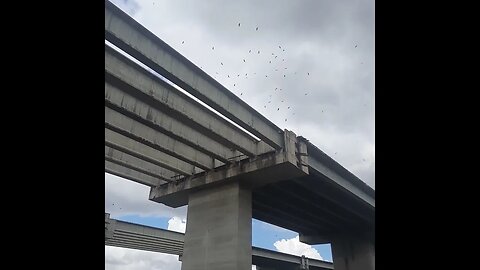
(139, 165)
(127, 34)
(132, 175)
(135, 130)
(144, 152)
(132, 78)
(163, 122)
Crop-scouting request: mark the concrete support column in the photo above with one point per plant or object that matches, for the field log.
(353, 254)
(219, 229)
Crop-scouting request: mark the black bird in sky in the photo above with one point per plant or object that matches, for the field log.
(279, 46)
(258, 52)
(308, 73)
(238, 24)
(183, 42)
(213, 48)
(256, 29)
(356, 45)
(244, 60)
(221, 63)
(249, 51)
(278, 109)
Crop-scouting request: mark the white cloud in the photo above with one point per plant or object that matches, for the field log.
(129, 259)
(177, 224)
(295, 247)
(124, 197)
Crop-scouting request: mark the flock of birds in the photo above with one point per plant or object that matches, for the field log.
(278, 67)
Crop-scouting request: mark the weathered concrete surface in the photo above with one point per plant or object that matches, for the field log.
(129, 146)
(127, 34)
(157, 119)
(256, 172)
(133, 79)
(219, 229)
(350, 253)
(253, 174)
(139, 165)
(140, 132)
(130, 174)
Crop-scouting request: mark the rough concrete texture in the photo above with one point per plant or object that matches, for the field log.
(219, 229)
(353, 254)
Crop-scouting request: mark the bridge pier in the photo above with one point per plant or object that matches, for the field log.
(219, 229)
(353, 254)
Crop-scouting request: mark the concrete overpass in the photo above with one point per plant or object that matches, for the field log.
(157, 136)
(135, 236)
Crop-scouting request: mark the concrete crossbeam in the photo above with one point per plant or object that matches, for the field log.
(147, 135)
(257, 172)
(127, 34)
(132, 78)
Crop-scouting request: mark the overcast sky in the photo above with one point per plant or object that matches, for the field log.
(324, 68)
